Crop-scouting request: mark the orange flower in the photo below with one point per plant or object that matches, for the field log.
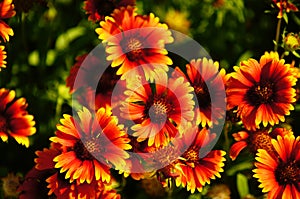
(279, 174)
(202, 73)
(157, 109)
(59, 185)
(99, 9)
(6, 11)
(91, 144)
(284, 6)
(14, 119)
(2, 57)
(134, 40)
(197, 165)
(262, 91)
(255, 140)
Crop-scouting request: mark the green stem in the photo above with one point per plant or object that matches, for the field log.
(277, 34)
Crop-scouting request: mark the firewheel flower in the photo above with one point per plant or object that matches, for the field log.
(15, 122)
(99, 9)
(56, 182)
(134, 40)
(202, 73)
(254, 140)
(279, 174)
(92, 144)
(196, 165)
(2, 57)
(6, 11)
(262, 91)
(157, 109)
(284, 6)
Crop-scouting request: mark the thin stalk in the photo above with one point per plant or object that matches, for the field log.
(277, 34)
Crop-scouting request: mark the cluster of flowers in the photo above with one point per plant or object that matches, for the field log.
(157, 111)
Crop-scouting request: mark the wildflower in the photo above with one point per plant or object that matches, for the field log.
(254, 140)
(15, 122)
(284, 6)
(134, 40)
(6, 11)
(203, 73)
(262, 91)
(279, 175)
(197, 165)
(99, 9)
(92, 144)
(2, 57)
(158, 108)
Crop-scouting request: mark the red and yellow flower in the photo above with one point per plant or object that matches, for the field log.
(203, 73)
(92, 143)
(279, 175)
(262, 91)
(60, 186)
(254, 140)
(15, 121)
(157, 109)
(134, 40)
(99, 9)
(198, 166)
(2, 57)
(284, 6)
(6, 11)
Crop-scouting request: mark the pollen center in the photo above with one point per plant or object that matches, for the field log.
(158, 112)
(260, 94)
(3, 124)
(260, 140)
(85, 151)
(288, 173)
(134, 49)
(104, 7)
(191, 155)
(203, 96)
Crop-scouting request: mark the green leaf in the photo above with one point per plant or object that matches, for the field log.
(285, 17)
(242, 185)
(239, 167)
(64, 40)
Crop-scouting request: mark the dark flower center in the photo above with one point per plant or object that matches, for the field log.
(260, 94)
(134, 49)
(85, 151)
(202, 94)
(3, 124)
(288, 173)
(191, 155)
(158, 110)
(104, 7)
(260, 140)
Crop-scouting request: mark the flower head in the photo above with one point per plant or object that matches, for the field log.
(134, 40)
(2, 57)
(203, 73)
(99, 9)
(279, 174)
(157, 109)
(59, 185)
(91, 143)
(14, 119)
(284, 6)
(197, 165)
(6, 11)
(254, 140)
(10, 185)
(262, 91)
